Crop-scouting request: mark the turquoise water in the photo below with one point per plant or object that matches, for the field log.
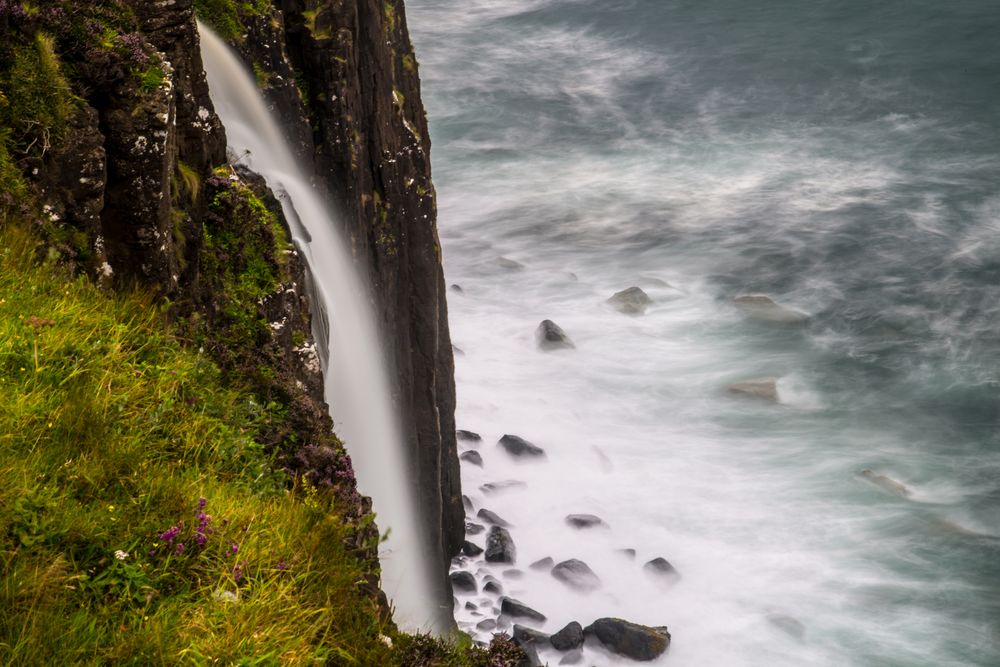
(842, 158)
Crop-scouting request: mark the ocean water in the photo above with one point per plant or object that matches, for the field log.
(842, 158)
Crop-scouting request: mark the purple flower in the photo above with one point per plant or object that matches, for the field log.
(282, 565)
(235, 547)
(170, 534)
(200, 539)
(201, 503)
(179, 549)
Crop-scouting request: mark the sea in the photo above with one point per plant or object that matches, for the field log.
(840, 158)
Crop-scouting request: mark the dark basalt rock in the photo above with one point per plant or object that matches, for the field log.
(661, 567)
(505, 485)
(493, 587)
(585, 521)
(500, 546)
(492, 517)
(631, 301)
(463, 581)
(518, 447)
(638, 642)
(550, 336)
(525, 636)
(517, 609)
(468, 436)
(472, 528)
(569, 638)
(543, 564)
(486, 625)
(471, 606)
(471, 550)
(577, 575)
(472, 457)
(457, 289)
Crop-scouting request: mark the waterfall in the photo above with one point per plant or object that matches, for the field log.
(355, 375)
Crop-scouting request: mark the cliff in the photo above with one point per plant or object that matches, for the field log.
(114, 177)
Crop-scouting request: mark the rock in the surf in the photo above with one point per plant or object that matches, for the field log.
(516, 609)
(472, 528)
(550, 336)
(463, 581)
(493, 587)
(628, 553)
(574, 657)
(789, 625)
(467, 503)
(543, 564)
(505, 485)
(457, 289)
(577, 575)
(518, 447)
(631, 301)
(506, 263)
(661, 567)
(500, 546)
(887, 483)
(764, 388)
(468, 436)
(469, 549)
(486, 625)
(569, 638)
(472, 457)
(513, 573)
(638, 642)
(493, 518)
(581, 521)
(763, 308)
(524, 636)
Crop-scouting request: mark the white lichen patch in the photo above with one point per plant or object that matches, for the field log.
(105, 270)
(277, 326)
(308, 356)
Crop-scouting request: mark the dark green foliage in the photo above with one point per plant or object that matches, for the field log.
(226, 16)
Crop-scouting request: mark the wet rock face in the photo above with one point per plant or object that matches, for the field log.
(631, 640)
(518, 447)
(371, 148)
(569, 638)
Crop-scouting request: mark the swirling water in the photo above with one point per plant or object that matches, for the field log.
(841, 157)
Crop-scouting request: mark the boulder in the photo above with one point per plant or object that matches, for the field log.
(631, 301)
(486, 625)
(493, 587)
(543, 564)
(517, 609)
(500, 546)
(468, 436)
(518, 447)
(513, 573)
(550, 336)
(763, 309)
(524, 636)
(577, 575)
(457, 289)
(585, 521)
(473, 528)
(569, 638)
(509, 264)
(660, 567)
(886, 483)
(765, 388)
(472, 457)
(469, 549)
(638, 642)
(470, 606)
(505, 485)
(493, 518)
(463, 582)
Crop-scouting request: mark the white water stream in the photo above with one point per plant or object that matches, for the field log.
(355, 376)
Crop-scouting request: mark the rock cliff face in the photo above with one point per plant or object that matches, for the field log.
(136, 181)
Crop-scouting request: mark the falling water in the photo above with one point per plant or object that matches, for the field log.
(355, 375)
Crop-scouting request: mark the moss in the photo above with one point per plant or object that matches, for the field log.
(262, 76)
(410, 63)
(390, 17)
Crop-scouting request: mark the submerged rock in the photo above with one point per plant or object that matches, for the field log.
(473, 457)
(631, 301)
(524, 636)
(574, 657)
(492, 517)
(468, 436)
(764, 309)
(506, 263)
(463, 581)
(628, 553)
(581, 521)
(519, 447)
(456, 288)
(500, 546)
(493, 587)
(887, 483)
(661, 567)
(513, 573)
(486, 625)
(569, 638)
(765, 388)
(577, 575)
(505, 485)
(467, 503)
(550, 336)
(543, 564)
(472, 528)
(517, 609)
(791, 626)
(638, 642)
